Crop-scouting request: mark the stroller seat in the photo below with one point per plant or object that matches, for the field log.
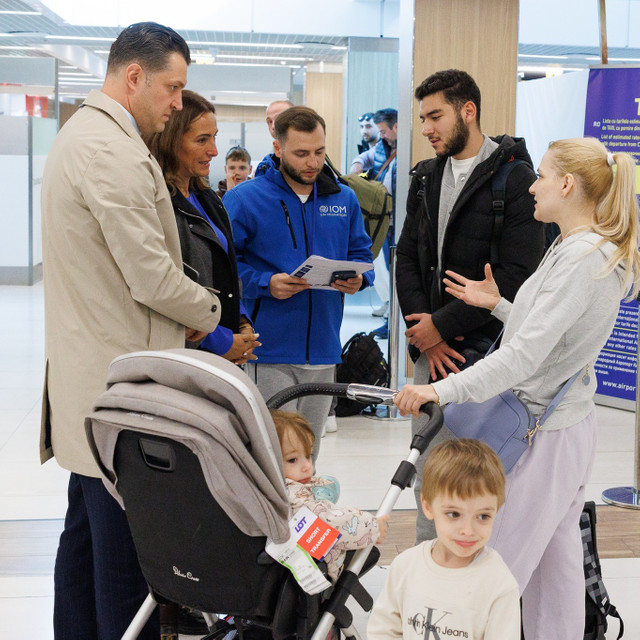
(189, 549)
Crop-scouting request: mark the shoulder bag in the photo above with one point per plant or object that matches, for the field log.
(503, 422)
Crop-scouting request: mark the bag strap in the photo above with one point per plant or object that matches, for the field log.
(558, 397)
(596, 590)
(556, 401)
(355, 337)
(498, 190)
(495, 342)
(612, 611)
(331, 166)
(386, 163)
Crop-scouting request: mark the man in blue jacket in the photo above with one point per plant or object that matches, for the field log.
(296, 209)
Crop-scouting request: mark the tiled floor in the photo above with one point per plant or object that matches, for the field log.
(363, 454)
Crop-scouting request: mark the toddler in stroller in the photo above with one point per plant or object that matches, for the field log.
(358, 529)
(187, 445)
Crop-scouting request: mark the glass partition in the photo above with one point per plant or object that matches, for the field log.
(24, 145)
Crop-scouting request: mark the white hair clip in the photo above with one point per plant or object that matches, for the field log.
(610, 159)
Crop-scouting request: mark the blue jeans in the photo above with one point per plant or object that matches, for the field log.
(99, 586)
(386, 246)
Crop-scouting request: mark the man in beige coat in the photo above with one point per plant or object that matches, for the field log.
(113, 284)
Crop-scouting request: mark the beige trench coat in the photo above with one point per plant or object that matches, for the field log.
(113, 279)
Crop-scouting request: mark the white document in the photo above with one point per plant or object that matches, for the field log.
(300, 563)
(317, 270)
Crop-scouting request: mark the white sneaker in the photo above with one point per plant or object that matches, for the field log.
(380, 312)
(331, 424)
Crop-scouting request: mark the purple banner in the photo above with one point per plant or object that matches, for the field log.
(613, 116)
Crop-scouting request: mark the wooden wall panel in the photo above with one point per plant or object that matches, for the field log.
(479, 37)
(67, 110)
(324, 94)
(239, 113)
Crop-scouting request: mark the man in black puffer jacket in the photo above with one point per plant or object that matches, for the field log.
(453, 223)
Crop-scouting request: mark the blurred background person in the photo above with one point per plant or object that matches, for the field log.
(380, 163)
(273, 111)
(369, 132)
(237, 169)
(184, 151)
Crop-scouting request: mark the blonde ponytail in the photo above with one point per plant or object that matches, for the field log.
(608, 180)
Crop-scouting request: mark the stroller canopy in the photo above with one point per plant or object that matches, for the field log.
(209, 405)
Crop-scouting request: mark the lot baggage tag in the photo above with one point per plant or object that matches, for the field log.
(314, 535)
(291, 554)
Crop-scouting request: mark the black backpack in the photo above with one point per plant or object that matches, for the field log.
(362, 362)
(598, 605)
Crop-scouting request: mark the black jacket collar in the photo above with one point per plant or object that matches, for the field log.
(211, 203)
(507, 147)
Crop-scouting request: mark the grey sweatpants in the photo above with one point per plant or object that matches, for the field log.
(537, 530)
(271, 378)
(424, 527)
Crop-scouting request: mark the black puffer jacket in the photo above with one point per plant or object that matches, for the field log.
(467, 241)
(204, 258)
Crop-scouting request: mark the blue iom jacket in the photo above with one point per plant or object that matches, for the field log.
(273, 233)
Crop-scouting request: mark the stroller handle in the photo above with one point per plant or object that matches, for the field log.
(425, 435)
(403, 477)
(364, 393)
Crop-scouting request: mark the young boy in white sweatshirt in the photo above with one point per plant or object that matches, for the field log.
(454, 586)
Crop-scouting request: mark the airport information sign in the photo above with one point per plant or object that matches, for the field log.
(613, 116)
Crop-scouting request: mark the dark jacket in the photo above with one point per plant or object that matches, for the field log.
(204, 258)
(275, 233)
(270, 161)
(222, 188)
(365, 146)
(467, 241)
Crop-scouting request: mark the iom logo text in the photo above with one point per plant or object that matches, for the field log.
(333, 210)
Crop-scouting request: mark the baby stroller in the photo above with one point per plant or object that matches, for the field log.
(186, 444)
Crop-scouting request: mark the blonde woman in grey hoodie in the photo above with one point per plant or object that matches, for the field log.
(558, 323)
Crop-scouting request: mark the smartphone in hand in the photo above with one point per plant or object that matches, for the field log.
(342, 275)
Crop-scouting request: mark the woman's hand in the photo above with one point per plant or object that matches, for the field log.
(194, 335)
(242, 347)
(412, 396)
(477, 293)
(245, 325)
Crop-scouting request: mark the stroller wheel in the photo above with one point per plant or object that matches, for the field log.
(191, 622)
(222, 631)
(221, 634)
